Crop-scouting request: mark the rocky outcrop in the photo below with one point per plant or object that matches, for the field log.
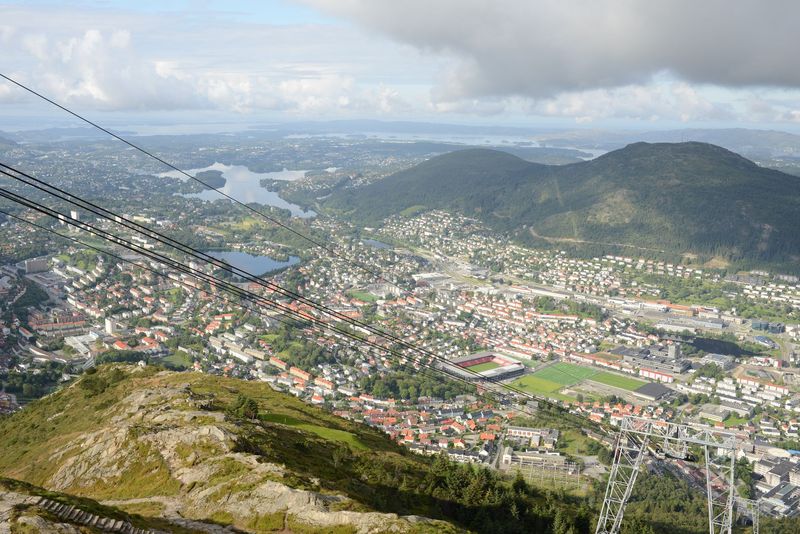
(160, 446)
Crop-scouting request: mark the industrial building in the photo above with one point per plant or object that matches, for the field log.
(657, 358)
(653, 392)
(722, 361)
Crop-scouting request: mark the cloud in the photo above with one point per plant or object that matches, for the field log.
(540, 48)
(674, 101)
(581, 60)
(101, 70)
(761, 108)
(119, 61)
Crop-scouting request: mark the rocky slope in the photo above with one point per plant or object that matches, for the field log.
(160, 445)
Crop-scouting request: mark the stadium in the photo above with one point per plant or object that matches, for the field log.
(488, 365)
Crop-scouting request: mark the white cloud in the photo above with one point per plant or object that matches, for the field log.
(763, 108)
(665, 100)
(116, 61)
(36, 45)
(6, 33)
(583, 61)
(120, 39)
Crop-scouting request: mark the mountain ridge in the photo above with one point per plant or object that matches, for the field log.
(752, 143)
(173, 445)
(675, 197)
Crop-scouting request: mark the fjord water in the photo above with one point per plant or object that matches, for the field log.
(256, 265)
(245, 185)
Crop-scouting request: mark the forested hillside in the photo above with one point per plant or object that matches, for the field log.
(672, 198)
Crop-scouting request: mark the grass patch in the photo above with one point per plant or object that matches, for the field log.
(196, 451)
(147, 476)
(484, 366)
(298, 527)
(266, 522)
(575, 443)
(331, 434)
(564, 397)
(247, 223)
(362, 296)
(221, 518)
(294, 349)
(565, 374)
(536, 385)
(413, 210)
(148, 508)
(735, 420)
(545, 388)
(227, 469)
(177, 360)
(617, 381)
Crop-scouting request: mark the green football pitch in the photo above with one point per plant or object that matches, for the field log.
(535, 385)
(484, 366)
(617, 381)
(565, 374)
(550, 380)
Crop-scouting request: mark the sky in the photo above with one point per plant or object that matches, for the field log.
(605, 64)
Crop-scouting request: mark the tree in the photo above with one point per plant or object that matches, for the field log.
(562, 524)
(519, 486)
(29, 391)
(244, 407)
(341, 455)
(93, 384)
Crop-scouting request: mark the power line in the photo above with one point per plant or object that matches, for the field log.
(330, 250)
(246, 295)
(216, 281)
(229, 288)
(111, 216)
(432, 370)
(259, 212)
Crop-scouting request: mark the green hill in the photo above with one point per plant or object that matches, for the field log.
(7, 143)
(675, 198)
(188, 449)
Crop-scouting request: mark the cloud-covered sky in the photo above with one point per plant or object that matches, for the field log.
(605, 63)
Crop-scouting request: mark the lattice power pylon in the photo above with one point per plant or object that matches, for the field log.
(750, 509)
(637, 434)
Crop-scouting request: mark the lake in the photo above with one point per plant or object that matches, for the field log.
(256, 265)
(245, 185)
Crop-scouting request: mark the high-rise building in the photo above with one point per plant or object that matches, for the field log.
(36, 265)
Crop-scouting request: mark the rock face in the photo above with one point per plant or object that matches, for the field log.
(157, 452)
